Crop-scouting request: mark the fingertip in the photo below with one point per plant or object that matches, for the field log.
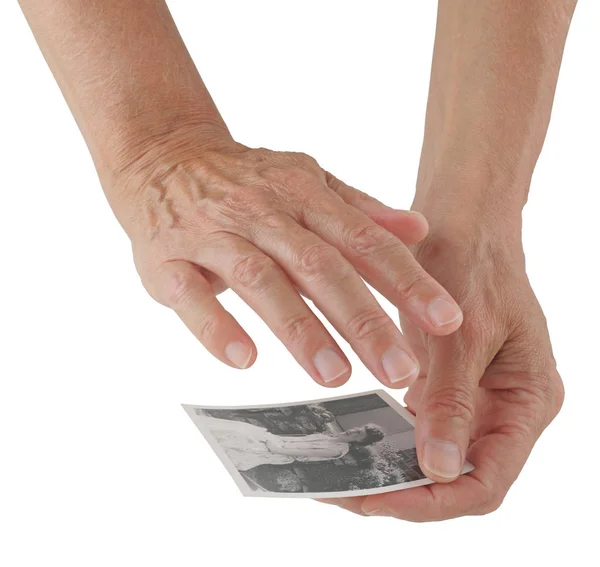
(409, 226)
(240, 354)
(416, 227)
(349, 503)
(441, 460)
(446, 329)
(444, 316)
(404, 382)
(400, 367)
(437, 478)
(252, 359)
(335, 382)
(332, 367)
(420, 221)
(372, 506)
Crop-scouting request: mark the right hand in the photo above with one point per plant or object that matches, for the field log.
(269, 225)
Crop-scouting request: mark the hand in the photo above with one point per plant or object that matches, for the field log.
(270, 225)
(486, 392)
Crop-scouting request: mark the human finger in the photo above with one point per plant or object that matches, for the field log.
(447, 406)
(182, 286)
(498, 459)
(324, 275)
(387, 264)
(409, 226)
(262, 284)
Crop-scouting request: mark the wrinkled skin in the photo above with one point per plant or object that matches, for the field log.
(271, 225)
(492, 386)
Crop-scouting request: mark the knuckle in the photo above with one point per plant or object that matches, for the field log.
(273, 220)
(368, 323)
(303, 160)
(207, 327)
(180, 288)
(445, 501)
(451, 403)
(410, 283)
(549, 391)
(363, 197)
(558, 395)
(542, 394)
(243, 204)
(332, 181)
(316, 259)
(491, 503)
(540, 383)
(253, 271)
(296, 328)
(292, 172)
(368, 239)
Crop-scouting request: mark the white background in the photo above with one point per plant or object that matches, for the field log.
(99, 465)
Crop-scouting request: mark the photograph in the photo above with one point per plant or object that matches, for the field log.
(351, 445)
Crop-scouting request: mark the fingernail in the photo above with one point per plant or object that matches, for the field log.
(398, 365)
(330, 364)
(442, 312)
(442, 458)
(376, 512)
(239, 354)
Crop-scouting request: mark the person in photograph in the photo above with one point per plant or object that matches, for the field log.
(249, 446)
(205, 213)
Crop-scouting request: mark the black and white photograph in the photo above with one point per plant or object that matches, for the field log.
(351, 445)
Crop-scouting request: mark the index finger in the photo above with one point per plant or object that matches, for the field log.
(387, 264)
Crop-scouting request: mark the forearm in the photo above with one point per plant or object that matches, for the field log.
(125, 74)
(495, 68)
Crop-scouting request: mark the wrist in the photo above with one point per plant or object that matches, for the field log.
(470, 244)
(463, 202)
(138, 142)
(149, 152)
(148, 144)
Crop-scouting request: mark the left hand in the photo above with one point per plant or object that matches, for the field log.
(486, 392)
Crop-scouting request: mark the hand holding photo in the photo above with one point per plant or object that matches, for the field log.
(337, 447)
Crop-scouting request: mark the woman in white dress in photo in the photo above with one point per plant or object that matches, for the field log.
(249, 446)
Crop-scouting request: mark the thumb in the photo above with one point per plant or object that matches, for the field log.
(447, 408)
